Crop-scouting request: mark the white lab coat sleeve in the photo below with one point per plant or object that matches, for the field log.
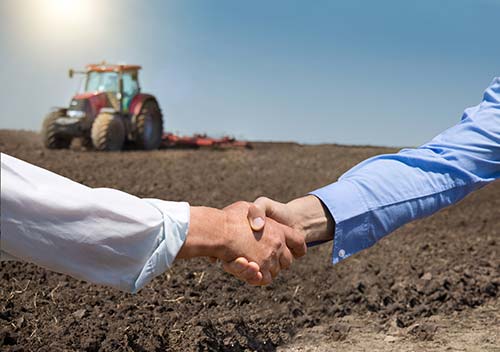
(99, 235)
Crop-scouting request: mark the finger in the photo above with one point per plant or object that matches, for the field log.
(272, 209)
(295, 242)
(263, 207)
(257, 281)
(236, 267)
(252, 273)
(266, 278)
(286, 259)
(274, 267)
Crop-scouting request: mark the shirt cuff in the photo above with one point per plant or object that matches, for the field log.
(175, 228)
(351, 216)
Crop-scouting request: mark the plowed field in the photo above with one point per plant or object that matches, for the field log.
(433, 285)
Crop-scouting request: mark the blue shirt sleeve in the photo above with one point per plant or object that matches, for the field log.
(387, 191)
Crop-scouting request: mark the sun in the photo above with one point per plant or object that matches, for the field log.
(63, 7)
(56, 25)
(65, 11)
(57, 21)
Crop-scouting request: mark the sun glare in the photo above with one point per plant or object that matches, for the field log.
(63, 7)
(69, 11)
(57, 21)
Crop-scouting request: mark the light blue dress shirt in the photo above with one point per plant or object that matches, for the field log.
(387, 191)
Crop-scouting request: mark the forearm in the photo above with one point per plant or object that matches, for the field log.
(312, 219)
(205, 237)
(385, 192)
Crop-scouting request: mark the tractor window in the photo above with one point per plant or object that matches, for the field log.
(130, 86)
(92, 84)
(102, 82)
(130, 89)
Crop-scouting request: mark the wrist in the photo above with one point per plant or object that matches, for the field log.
(313, 219)
(206, 233)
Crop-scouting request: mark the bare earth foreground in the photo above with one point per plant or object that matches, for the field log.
(433, 285)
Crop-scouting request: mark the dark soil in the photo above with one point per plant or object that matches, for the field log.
(441, 265)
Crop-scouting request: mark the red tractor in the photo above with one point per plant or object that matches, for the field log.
(108, 112)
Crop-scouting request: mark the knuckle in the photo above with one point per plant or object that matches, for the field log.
(261, 199)
(273, 253)
(240, 203)
(275, 242)
(278, 245)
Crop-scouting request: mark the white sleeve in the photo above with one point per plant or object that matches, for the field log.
(100, 235)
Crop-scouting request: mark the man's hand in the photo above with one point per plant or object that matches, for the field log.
(227, 235)
(271, 249)
(306, 215)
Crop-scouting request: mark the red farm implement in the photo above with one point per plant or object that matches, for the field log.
(171, 140)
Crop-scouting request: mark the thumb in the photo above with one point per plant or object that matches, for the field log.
(263, 207)
(257, 216)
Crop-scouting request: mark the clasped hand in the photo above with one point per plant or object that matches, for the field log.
(305, 218)
(255, 241)
(257, 253)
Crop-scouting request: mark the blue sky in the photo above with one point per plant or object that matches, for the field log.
(352, 72)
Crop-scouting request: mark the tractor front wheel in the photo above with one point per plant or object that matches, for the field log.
(149, 127)
(108, 132)
(52, 139)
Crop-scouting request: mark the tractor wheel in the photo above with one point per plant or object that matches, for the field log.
(149, 127)
(50, 136)
(108, 132)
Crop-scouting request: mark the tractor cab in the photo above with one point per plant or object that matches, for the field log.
(108, 112)
(119, 83)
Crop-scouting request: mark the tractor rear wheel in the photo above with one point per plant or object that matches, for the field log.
(50, 136)
(149, 127)
(108, 132)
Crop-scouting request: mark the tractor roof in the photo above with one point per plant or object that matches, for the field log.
(104, 67)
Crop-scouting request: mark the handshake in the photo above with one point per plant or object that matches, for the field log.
(255, 241)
